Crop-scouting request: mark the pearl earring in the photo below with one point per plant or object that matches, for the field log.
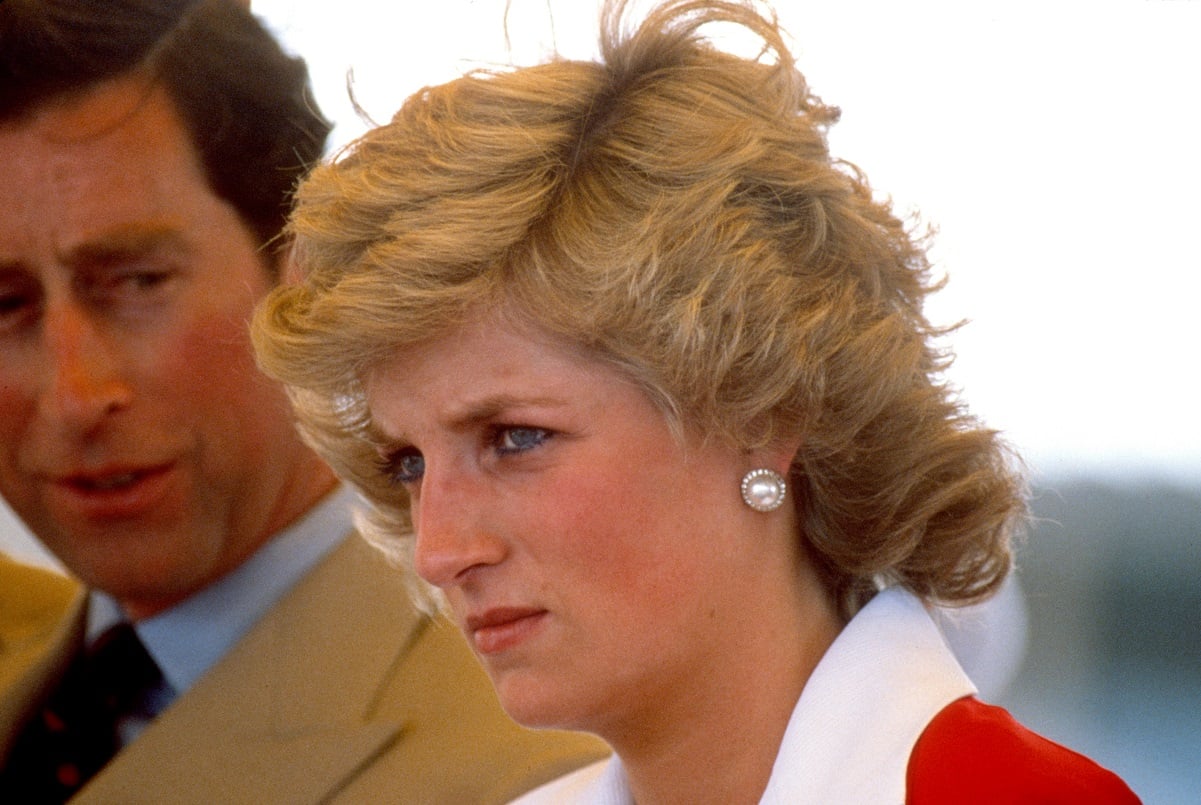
(763, 490)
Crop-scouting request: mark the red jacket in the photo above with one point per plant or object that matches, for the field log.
(977, 753)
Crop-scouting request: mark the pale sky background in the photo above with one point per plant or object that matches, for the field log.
(1055, 144)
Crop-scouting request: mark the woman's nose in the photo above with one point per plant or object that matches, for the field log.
(453, 524)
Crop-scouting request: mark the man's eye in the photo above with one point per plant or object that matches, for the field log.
(147, 279)
(10, 303)
(141, 280)
(131, 282)
(15, 308)
(404, 467)
(520, 439)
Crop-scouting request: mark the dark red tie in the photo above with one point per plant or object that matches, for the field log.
(75, 732)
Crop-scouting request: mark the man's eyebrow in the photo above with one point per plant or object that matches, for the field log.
(126, 242)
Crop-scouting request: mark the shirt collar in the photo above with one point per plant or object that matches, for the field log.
(192, 636)
(854, 727)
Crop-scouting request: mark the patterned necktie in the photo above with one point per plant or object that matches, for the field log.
(75, 733)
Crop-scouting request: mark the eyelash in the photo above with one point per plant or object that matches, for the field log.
(499, 433)
(392, 465)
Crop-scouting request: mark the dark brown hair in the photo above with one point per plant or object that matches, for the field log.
(246, 103)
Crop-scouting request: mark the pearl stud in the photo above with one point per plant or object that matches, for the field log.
(764, 490)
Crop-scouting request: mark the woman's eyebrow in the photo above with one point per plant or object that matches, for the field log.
(490, 407)
(462, 416)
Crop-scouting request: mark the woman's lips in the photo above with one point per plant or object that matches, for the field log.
(503, 628)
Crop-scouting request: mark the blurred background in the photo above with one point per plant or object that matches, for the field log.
(1054, 146)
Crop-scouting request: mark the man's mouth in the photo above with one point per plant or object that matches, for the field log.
(106, 483)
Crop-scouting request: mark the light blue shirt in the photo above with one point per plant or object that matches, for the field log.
(191, 637)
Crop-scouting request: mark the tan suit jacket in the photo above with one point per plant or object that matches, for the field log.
(343, 693)
(41, 618)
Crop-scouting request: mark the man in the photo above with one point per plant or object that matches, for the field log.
(148, 148)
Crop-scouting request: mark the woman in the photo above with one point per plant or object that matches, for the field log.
(645, 373)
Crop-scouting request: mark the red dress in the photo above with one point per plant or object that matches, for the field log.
(976, 753)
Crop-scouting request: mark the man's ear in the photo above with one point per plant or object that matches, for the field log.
(289, 268)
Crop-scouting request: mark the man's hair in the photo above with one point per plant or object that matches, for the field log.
(673, 210)
(247, 105)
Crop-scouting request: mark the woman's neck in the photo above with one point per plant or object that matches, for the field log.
(713, 737)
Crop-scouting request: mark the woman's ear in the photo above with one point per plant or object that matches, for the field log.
(777, 456)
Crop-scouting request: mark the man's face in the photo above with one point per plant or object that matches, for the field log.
(137, 439)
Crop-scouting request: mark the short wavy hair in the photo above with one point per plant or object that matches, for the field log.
(674, 210)
(246, 103)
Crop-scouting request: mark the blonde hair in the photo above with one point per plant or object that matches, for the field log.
(674, 210)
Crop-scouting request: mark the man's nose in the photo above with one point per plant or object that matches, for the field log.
(83, 380)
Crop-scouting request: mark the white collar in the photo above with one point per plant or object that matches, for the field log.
(852, 731)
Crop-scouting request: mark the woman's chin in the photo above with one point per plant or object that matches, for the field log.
(539, 704)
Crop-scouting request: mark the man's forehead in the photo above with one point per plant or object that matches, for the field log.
(111, 168)
(98, 109)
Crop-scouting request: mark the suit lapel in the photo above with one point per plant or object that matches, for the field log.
(288, 714)
(41, 627)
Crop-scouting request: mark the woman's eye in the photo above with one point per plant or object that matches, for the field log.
(520, 439)
(404, 467)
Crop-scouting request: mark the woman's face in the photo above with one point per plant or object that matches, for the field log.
(597, 566)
